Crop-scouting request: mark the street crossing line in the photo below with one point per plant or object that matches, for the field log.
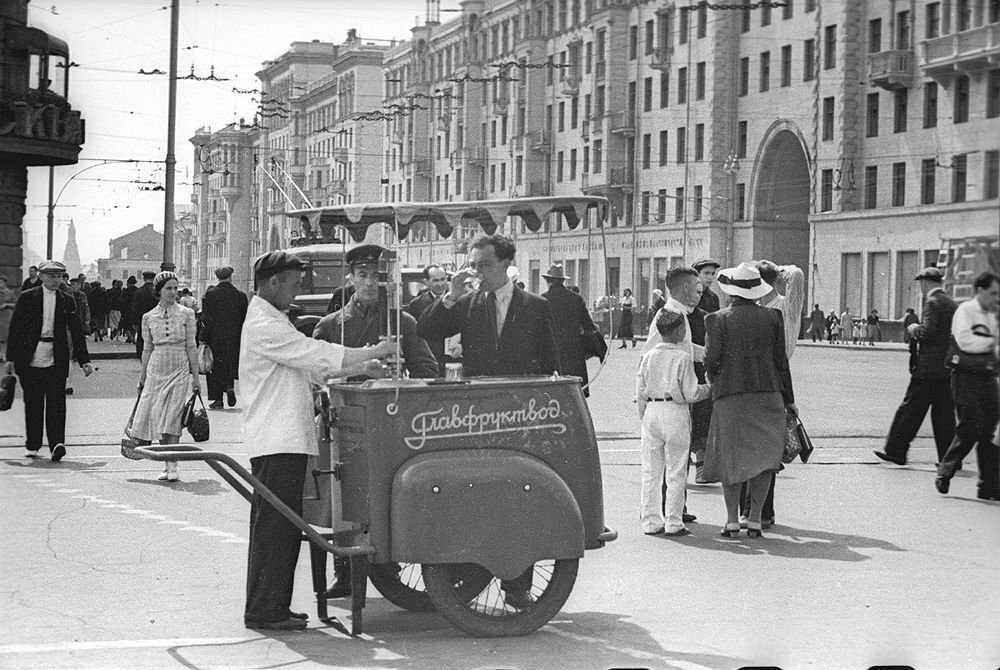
(50, 647)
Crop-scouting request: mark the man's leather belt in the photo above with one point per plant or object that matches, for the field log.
(46, 339)
(667, 399)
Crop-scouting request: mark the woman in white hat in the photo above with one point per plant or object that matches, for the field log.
(751, 390)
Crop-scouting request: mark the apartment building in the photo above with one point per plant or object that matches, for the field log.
(850, 138)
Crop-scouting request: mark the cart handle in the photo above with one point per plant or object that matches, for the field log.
(216, 459)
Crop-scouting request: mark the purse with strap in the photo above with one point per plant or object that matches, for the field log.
(195, 419)
(129, 443)
(8, 384)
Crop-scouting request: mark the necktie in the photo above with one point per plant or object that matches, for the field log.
(491, 305)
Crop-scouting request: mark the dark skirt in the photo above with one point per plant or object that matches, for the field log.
(746, 437)
(625, 327)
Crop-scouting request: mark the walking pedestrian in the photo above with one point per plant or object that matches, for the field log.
(277, 364)
(143, 300)
(115, 309)
(928, 387)
(973, 359)
(39, 350)
(666, 385)
(128, 320)
(169, 369)
(625, 331)
(746, 360)
(873, 329)
(571, 321)
(99, 308)
(817, 324)
(223, 310)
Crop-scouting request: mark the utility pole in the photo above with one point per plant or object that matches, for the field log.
(171, 161)
(50, 219)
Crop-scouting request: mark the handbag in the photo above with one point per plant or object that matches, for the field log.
(594, 344)
(805, 443)
(793, 445)
(978, 364)
(195, 419)
(205, 359)
(8, 384)
(129, 442)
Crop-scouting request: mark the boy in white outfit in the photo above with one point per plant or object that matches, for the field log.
(666, 384)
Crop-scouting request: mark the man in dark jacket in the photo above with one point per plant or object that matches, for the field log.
(570, 319)
(39, 351)
(223, 310)
(929, 388)
(128, 321)
(436, 281)
(99, 308)
(707, 269)
(143, 300)
(33, 279)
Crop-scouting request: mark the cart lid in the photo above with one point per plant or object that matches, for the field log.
(446, 216)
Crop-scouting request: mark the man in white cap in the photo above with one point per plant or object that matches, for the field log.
(39, 351)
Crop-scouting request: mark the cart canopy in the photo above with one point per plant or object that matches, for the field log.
(446, 216)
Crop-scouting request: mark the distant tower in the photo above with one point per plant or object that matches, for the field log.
(71, 257)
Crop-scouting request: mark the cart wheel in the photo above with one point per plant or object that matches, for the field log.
(402, 584)
(485, 614)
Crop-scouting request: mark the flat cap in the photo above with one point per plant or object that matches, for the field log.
(51, 266)
(704, 263)
(932, 273)
(225, 272)
(149, 274)
(276, 262)
(366, 254)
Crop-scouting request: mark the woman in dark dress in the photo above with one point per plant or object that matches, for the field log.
(625, 326)
(751, 390)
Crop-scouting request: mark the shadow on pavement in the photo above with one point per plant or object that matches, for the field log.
(43, 464)
(788, 542)
(411, 640)
(200, 487)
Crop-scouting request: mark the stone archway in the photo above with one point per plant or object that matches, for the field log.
(781, 197)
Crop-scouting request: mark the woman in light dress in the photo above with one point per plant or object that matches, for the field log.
(169, 369)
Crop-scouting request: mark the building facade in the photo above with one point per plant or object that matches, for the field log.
(131, 254)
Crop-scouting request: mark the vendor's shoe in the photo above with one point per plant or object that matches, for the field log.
(172, 475)
(298, 615)
(730, 530)
(216, 404)
(754, 530)
(890, 458)
(290, 623)
(31, 453)
(58, 452)
(681, 532)
(231, 397)
(688, 518)
(767, 523)
(163, 476)
(699, 474)
(942, 484)
(520, 600)
(658, 531)
(341, 587)
(743, 522)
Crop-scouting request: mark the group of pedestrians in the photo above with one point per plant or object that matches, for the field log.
(953, 373)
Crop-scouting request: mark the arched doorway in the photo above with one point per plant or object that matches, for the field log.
(781, 199)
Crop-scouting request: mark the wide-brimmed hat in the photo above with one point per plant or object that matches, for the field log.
(743, 281)
(555, 272)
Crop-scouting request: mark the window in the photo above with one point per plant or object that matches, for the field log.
(598, 155)
(930, 104)
(643, 220)
(696, 213)
(745, 19)
(699, 141)
(826, 191)
(661, 205)
(741, 139)
(787, 11)
(810, 6)
(647, 94)
(874, 36)
(699, 81)
(574, 112)
(649, 37)
(679, 204)
(993, 94)
(682, 26)
(741, 201)
(744, 76)
(928, 166)
(900, 102)
(647, 150)
(765, 70)
(663, 147)
(991, 175)
(559, 166)
(562, 116)
(808, 60)
(586, 160)
(932, 20)
(871, 116)
(702, 20)
(664, 89)
(959, 174)
(830, 47)
(964, 15)
(828, 118)
(681, 144)
(903, 31)
(682, 80)
(599, 103)
(871, 187)
(518, 172)
(765, 14)
(572, 164)
(898, 184)
(786, 65)
(961, 113)
(633, 42)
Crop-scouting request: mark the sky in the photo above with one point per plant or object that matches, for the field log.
(126, 112)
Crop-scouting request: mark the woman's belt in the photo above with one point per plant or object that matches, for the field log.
(666, 399)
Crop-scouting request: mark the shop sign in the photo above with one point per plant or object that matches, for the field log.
(465, 420)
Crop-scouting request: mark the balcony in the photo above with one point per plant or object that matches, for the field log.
(500, 107)
(967, 51)
(661, 57)
(444, 122)
(570, 84)
(891, 69)
(585, 129)
(336, 187)
(621, 177)
(540, 141)
(229, 191)
(424, 167)
(539, 189)
(340, 154)
(474, 155)
(623, 122)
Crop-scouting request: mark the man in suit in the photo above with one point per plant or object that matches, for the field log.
(223, 311)
(33, 280)
(707, 269)
(571, 319)
(505, 331)
(143, 300)
(929, 388)
(436, 281)
(39, 351)
(128, 321)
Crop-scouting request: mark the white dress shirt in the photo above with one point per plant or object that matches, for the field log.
(277, 367)
(974, 329)
(45, 353)
(696, 351)
(504, 295)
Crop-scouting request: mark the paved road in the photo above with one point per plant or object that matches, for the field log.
(102, 566)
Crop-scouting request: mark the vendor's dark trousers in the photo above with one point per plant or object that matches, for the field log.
(44, 404)
(921, 395)
(274, 541)
(746, 500)
(218, 385)
(976, 402)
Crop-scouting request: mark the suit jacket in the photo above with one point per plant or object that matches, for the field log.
(223, 311)
(932, 337)
(527, 344)
(26, 330)
(570, 319)
(143, 300)
(416, 308)
(745, 351)
(709, 301)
